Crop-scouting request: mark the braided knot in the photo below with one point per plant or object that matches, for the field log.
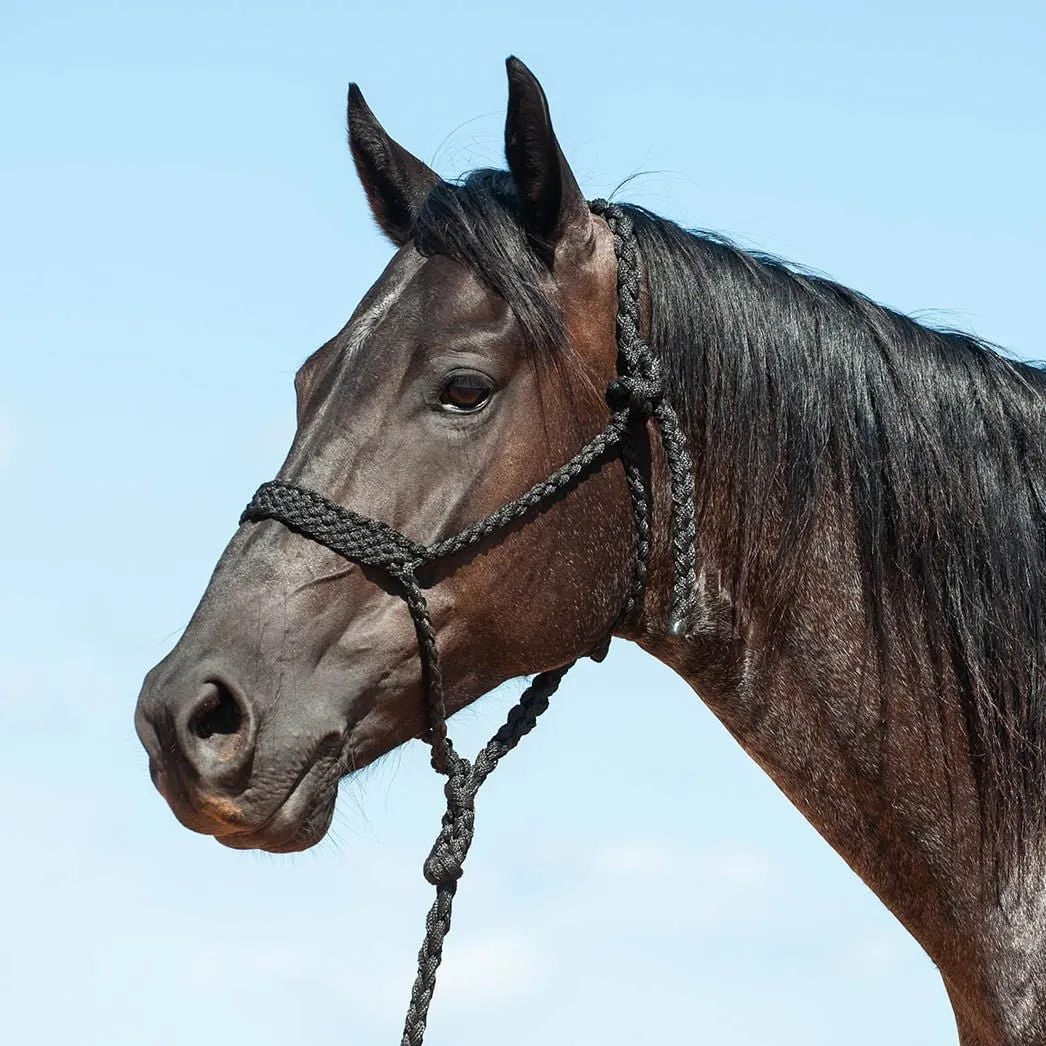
(446, 859)
(638, 394)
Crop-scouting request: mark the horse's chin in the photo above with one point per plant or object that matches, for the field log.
(285, 838)
(298, 823)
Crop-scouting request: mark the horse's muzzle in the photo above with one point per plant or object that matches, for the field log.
(200, 736)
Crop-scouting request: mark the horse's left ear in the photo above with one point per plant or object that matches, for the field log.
(551, 204)
(396, 182)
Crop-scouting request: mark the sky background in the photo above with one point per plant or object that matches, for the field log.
(180, 225)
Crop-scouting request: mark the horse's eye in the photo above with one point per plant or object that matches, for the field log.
(465, 393)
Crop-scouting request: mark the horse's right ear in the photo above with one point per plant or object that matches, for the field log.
(395, 181)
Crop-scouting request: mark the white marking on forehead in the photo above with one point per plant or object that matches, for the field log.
(396, 278)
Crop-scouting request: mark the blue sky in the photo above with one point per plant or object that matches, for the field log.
(181, 226)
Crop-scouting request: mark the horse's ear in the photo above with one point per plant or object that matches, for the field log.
(551, 204)
(395, 181)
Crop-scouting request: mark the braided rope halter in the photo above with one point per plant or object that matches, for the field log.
(635, 396)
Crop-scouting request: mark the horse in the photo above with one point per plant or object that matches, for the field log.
(869, 546)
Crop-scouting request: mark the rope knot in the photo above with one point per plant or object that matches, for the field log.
(444, 864)
(446, 859)
(638, 394)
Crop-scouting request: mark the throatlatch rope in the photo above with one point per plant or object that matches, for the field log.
(635, 396)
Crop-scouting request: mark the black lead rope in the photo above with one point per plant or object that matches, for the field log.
(637, 394)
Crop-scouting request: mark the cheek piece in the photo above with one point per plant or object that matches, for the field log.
(635, 397)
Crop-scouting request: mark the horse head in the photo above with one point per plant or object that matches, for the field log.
(474, 366)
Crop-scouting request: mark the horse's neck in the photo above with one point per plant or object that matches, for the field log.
(866, 764)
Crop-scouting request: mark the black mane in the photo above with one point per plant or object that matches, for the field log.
(797, 392)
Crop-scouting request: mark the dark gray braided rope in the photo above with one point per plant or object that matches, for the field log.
(635, 396)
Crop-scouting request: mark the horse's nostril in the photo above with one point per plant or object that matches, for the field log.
(217, 712)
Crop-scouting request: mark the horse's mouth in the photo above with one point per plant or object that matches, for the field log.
(297, 821)
(301, 820)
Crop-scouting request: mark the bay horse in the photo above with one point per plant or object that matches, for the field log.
(870, 504)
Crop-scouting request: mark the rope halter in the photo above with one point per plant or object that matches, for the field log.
(635, 396)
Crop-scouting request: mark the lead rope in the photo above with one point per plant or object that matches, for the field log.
(634, 397)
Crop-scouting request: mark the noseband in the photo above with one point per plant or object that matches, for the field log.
(634, 396)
